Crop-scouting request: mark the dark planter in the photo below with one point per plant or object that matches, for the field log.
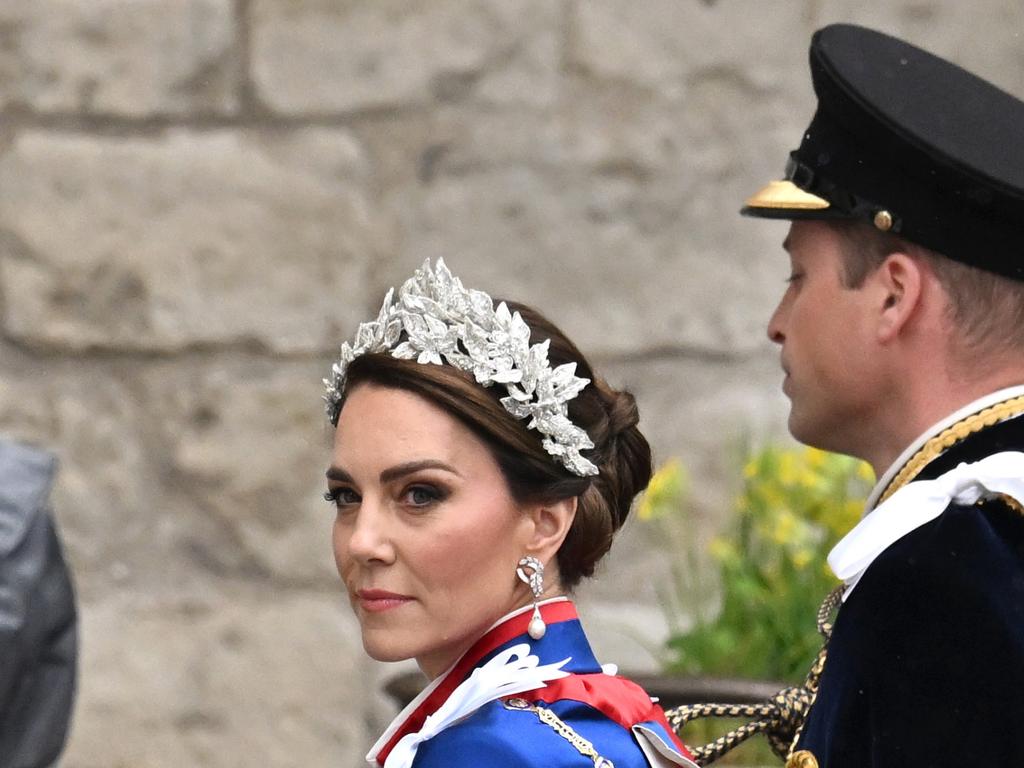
(669, 690)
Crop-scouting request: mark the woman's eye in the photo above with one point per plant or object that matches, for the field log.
(341, 497)
(423, 495)
(794, 277)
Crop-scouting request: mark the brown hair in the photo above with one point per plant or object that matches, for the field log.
(986, 308)
(609, 417)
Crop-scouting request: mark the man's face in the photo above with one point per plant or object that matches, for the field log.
(826, 335)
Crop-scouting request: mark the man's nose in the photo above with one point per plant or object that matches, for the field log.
(775, 324)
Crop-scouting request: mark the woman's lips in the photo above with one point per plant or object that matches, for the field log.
(378, 600)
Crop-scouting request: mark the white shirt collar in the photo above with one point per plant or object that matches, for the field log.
(920, 502)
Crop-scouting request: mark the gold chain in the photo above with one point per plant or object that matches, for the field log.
(828, 607)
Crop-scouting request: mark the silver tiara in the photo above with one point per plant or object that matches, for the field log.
(445, 323)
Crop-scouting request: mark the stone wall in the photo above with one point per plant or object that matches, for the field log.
(200, 198)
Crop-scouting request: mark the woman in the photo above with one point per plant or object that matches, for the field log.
(477, 479)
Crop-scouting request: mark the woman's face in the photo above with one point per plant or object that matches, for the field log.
(427, 536)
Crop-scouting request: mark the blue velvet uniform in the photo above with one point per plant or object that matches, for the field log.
(925, 665)
(609, 714)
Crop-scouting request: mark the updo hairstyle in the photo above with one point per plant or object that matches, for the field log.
(609, 417)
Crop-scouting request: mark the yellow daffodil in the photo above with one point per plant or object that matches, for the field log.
(792, 506)
(665, 492)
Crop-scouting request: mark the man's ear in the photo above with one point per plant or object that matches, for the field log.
(550, 525)
(897, 284)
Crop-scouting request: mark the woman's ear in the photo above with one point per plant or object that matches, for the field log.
(897, 284)
(550, 525)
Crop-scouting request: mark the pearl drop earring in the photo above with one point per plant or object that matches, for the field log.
(535, 580)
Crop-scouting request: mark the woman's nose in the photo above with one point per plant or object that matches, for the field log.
(369, 536)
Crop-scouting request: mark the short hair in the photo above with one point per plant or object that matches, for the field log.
(608, 415)
(987, 309)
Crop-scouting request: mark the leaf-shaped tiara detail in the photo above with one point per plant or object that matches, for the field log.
(445, 323)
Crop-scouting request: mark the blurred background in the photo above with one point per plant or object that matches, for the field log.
(200, 199)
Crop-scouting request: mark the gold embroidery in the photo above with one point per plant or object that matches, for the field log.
(1012, 503)
(556, 724)
(949, 437)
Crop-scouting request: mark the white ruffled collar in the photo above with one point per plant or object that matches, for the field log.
(465, 695)
(920, 502)
(512, 671)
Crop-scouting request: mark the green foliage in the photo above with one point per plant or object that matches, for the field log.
(769, 566)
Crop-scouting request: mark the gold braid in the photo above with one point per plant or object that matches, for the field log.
(782, 718)
(949, 437)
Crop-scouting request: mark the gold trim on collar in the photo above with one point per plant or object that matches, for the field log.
(949, 437)
(1008, 500)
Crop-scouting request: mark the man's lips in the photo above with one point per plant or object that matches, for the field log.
(377, 600)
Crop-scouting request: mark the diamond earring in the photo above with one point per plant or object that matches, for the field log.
(535, 580)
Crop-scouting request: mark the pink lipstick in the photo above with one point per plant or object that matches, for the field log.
(379, 600)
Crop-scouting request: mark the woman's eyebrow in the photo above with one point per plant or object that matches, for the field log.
(338, 474)
(408, 468)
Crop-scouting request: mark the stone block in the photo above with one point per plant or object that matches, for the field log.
(106, 497)
(112, 509)
(130, 58)
(702, 412)
(983, 36)
(176, 475)
(221, 679)
(664, 45)
(246, 444)
(718, 92)
(456, 140)
(725, 127)
(313, 56)
(628, 265)
(700, 409)
(27, 412)
(184, 240)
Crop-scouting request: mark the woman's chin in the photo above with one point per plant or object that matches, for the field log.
(384, 651)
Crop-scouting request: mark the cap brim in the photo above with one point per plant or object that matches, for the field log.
(785, 200)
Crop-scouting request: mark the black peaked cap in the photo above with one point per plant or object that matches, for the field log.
(913, 143)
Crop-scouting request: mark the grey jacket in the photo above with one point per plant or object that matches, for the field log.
(38, 637)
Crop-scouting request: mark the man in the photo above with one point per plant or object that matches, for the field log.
(38, 641)
(902, 342)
